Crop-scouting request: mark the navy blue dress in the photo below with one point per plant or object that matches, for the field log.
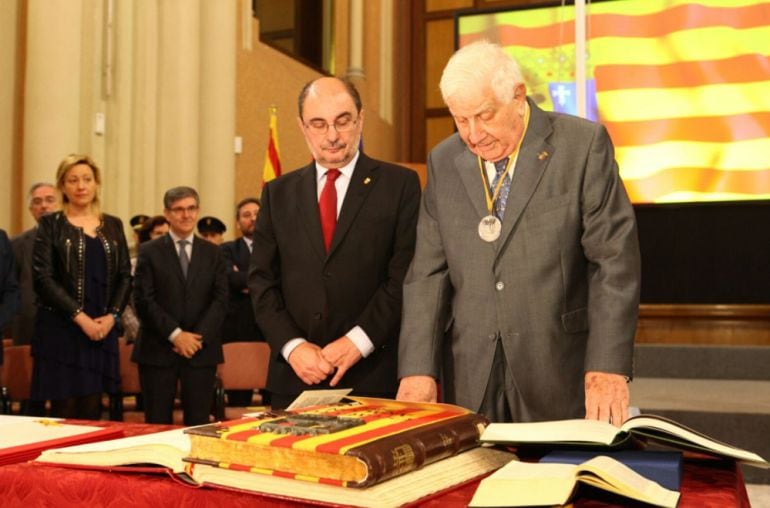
(67, 363)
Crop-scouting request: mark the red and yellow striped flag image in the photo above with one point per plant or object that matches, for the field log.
(272, 167)
(683, 88)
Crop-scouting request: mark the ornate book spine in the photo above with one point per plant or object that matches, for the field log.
(402, 453)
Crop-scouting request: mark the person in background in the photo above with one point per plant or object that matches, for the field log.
(180, 294)
(240, 324)
(136, 222)
(82, 278)
(332, 244)
(42, 201)
(212, 229)
(9, 286)
(153, 228)
(524, 289)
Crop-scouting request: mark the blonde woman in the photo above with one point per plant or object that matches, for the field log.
(82, 278)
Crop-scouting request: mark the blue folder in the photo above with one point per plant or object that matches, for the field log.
(663, 467)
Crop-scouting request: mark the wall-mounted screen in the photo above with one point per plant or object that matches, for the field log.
(683, 87)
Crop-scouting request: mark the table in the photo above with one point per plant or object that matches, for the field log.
(705, 483)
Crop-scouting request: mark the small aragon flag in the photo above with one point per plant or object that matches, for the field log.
(272, 167)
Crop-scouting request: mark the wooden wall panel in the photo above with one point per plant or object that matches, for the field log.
(443, 5)
(440, 45)
(727, 325)
(436, 129)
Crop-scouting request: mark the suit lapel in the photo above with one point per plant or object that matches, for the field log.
(364, 179)
(307, 203)
(467, 165)
(531, 164)
(172, 257)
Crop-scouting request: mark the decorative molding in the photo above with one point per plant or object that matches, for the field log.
(722, 324)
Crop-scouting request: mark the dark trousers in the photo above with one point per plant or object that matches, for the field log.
(497, 403)
(159, 388)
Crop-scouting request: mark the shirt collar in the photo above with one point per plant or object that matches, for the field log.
(346, 170)
(176, 238)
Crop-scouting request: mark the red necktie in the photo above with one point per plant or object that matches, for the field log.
(327, 206)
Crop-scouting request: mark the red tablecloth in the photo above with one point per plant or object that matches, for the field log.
(706, 483)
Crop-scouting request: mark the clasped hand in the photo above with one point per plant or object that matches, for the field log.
(312, 364)
(96, 329)
(187, 344)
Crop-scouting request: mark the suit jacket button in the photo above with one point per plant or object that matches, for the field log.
(317, 316)
(492, 336)
(500, 286)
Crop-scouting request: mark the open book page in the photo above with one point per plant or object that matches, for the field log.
(526, 484)
(162, 448)
(615, 477)
(34, 430)
(559, 431)
(429, 480)
(670, 433)
(522, 484)
(593, 432)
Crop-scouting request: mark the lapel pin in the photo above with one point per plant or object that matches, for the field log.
(542, 156)
(367, 180)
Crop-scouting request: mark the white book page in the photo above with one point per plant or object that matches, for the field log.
(175, 438)
(560, 431)
(37, 430)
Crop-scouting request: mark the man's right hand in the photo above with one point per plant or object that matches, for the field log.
(417, 389)
(187, 344)
(309, 364)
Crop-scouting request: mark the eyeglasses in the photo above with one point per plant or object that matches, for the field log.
(179, 210)
(48, 200)
(341, 124)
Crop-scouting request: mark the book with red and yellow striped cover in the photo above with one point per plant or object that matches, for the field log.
(353, 444)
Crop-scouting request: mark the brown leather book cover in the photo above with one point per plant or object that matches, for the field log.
(355, 444)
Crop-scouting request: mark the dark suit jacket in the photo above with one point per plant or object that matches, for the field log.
(9, 287)
(300, 291)
(24, 323)
(240, 323)
(165, 300)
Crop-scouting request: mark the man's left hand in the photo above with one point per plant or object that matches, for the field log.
(606, 397)
(342, 354)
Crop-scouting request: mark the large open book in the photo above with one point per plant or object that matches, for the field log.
(529, 484)
(651, 428)
(158, 452)
(165, 451)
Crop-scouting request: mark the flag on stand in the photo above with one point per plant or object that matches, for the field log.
(272, 168)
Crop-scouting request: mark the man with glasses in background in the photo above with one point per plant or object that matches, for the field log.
(180, 295)
(332, 244)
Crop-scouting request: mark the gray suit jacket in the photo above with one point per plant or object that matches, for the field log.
(560, 286)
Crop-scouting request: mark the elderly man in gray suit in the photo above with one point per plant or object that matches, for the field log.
(522, 297)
